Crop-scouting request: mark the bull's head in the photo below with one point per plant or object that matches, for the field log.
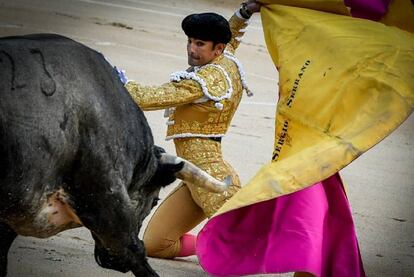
(168, 168)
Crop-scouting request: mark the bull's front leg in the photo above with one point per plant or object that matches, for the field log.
(136, 251)
(115, 230)
(7, 236)
(107, 260)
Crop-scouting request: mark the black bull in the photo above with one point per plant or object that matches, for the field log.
(75, 150)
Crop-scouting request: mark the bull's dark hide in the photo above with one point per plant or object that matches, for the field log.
(72, 138)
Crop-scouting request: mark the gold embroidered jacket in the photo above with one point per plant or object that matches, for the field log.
(202, 101)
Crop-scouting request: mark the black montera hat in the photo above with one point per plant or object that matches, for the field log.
(207, 26)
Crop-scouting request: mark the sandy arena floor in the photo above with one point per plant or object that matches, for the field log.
(144, 38)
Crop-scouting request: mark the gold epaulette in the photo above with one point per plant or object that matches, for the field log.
(213, 80)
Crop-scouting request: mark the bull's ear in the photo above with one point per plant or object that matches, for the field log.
(165, 174)
(158, 151)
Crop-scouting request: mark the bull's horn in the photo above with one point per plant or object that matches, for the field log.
(194, 175)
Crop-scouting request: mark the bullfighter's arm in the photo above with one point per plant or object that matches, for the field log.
(206, 83)
(239, 21)
(168, 95)
(238, 26)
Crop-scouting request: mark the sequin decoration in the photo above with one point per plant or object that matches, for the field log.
(206, 154)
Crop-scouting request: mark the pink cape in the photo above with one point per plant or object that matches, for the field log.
(310, 230)
(368, 9)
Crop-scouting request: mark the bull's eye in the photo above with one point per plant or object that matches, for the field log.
(154, 202)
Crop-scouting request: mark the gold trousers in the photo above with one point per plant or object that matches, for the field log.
(188, 205)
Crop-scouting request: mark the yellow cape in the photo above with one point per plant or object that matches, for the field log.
(345, 84)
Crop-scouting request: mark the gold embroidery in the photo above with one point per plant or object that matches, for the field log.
(216, 81)
(164, 96)
(206, 154)
(236, 24)
(204, 118)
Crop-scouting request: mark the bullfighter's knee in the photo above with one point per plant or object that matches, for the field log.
(162, 247)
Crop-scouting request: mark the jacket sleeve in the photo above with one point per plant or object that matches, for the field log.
(238, 26)
(168, 95)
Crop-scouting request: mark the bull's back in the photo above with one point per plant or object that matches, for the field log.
(62, 108)
(33, 101)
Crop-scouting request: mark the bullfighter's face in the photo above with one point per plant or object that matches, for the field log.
(201, 52)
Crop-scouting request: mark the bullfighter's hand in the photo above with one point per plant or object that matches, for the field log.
(250, 7)
(121, 75)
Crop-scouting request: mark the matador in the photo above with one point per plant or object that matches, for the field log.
(200, 103)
